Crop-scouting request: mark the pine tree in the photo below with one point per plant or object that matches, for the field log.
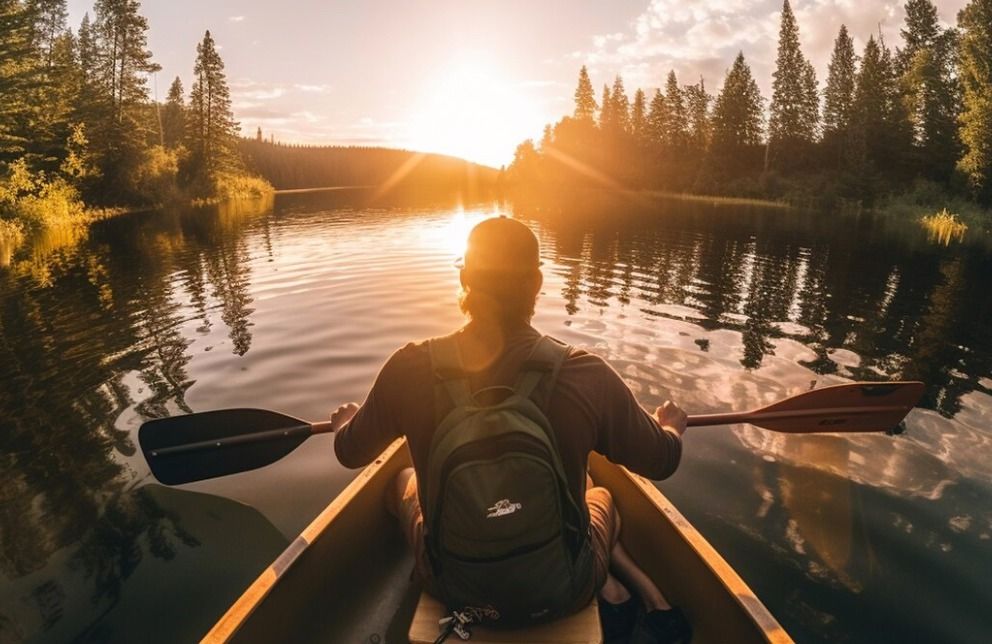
(585, 98)
(737, 115)
(638, 118)
(838, 96)
(677, 126)
(49, 18)
(929, 88)
(174, 116)
(794, 106)
(18, 80)
(119, 132)
(657, 120)
(605, 111)
(698, 106)
(620, 108)
(211, 129)
(975, 68)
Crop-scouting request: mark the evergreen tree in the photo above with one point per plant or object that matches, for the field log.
(677, 125)
(174, 116)
(657, 119)
(18, 80)
(882, 135)
(212, 131)
(638, 118)
(975, 68)
(605, 112)
(620, 108)
(119, 132)
(698, 106)
(49, 18)
(585, 98)
(929, 88)
(795, 106)
(737, 116)
(838, 96)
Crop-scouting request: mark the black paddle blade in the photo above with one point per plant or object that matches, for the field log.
(209, 444)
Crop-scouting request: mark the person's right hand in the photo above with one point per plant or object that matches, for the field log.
(671, 417)
(343, 414)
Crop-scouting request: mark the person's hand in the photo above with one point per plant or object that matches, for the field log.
(341, 415)
(671, 416)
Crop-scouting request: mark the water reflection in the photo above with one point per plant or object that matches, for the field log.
(295, 306)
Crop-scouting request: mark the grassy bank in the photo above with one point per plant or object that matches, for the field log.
(31, 203)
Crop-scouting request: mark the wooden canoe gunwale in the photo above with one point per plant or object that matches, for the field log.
(687, 568)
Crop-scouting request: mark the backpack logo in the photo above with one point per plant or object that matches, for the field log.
(503, 508)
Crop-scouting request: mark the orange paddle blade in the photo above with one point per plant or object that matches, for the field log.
(855, 407)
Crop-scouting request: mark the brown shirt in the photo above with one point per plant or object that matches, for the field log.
(590, 409)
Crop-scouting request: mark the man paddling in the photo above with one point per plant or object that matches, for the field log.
(492, 373)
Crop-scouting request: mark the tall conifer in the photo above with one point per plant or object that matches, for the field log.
(211, 129)
(585, 98)
(975, 51)
(677, 126)
(794, 107)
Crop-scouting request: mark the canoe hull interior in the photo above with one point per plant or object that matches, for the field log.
(347, 577)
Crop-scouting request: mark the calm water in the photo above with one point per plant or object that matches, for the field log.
(294, 306)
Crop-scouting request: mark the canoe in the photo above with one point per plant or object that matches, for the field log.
(346, 578)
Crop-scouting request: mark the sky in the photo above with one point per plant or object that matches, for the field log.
(473, 78)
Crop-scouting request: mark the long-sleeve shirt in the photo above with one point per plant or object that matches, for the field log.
(590, 408)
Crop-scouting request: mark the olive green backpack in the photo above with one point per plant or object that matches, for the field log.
(503, 533)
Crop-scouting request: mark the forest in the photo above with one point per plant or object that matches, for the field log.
(909, 128)
(289, 166)
(80, 133)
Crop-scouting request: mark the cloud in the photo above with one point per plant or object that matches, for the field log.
(245, 89)
(313, 89)
(701, 38)
(236, 19)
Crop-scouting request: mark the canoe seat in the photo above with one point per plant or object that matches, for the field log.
(580, 628)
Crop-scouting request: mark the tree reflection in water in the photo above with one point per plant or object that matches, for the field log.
(85, 354)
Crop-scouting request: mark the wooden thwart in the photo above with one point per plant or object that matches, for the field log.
(581, 628)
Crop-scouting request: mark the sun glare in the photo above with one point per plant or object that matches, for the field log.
(450, 237)
(471, 111)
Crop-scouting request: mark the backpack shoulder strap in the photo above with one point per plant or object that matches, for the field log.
(451, 380)
(543, 364)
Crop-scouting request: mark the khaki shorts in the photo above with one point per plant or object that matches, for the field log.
(604, 530)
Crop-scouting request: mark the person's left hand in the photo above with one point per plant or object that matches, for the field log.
(341, 415)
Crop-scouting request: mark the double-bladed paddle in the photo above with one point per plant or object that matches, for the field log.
(205, 445)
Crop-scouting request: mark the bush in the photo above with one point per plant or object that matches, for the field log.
(155, 177)
(228, 186)
(37, 202)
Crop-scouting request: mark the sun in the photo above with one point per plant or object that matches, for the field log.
(470, 110)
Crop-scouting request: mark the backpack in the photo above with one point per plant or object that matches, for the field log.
(503, 534)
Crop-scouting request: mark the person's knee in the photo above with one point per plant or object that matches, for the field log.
(397, 491)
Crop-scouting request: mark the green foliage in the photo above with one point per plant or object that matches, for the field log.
(737, 115)
(944, 227)
(211, 132)
(794, 109)
(585, 97)
(677, 123)
(638, 116)
(174, 116)
(36, 201)
(230, 187)
(975, 70)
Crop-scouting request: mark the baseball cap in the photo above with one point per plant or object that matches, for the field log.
(501, 245)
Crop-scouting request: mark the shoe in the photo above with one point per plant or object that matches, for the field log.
(618, 620)
(662, 627)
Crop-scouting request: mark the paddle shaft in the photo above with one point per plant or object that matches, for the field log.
(698, 420)
(302, 431)
(731, 418)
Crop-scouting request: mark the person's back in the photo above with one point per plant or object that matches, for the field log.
(587, 404)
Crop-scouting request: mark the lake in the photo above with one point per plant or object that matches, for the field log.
(294, 306)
